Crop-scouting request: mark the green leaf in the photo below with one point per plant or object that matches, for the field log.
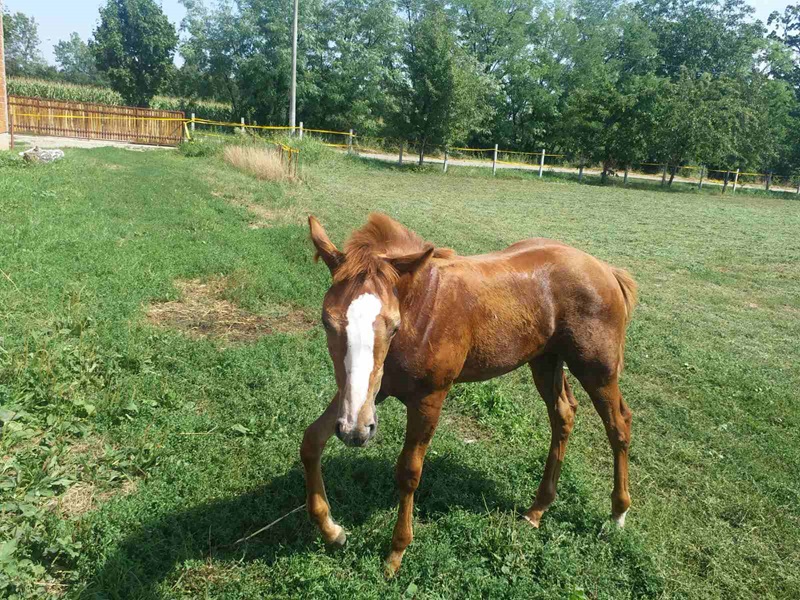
(7, 549)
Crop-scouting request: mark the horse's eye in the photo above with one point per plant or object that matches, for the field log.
(395, 328)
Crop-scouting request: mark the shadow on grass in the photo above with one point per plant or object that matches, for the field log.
(357, 487)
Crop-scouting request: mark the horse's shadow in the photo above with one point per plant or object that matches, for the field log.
(357, 486)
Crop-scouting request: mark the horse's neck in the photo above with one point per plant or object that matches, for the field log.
(418, 298)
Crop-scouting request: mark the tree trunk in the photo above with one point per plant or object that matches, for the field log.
(606, 169)
(421, 152)
(672, 175)
(725, 185)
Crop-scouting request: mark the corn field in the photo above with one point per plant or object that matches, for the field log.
(68, 92)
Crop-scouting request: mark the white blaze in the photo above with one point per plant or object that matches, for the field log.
(359, 360)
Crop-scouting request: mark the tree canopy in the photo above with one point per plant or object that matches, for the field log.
(133, 46)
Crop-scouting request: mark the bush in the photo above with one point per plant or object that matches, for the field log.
(200, 147)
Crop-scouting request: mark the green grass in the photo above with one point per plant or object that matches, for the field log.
(192, 444)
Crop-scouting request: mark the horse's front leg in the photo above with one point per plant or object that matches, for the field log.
(421, 421)
(314, 440)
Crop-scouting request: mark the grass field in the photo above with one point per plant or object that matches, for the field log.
(133, 455)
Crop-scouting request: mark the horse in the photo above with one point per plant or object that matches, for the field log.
(406, 319)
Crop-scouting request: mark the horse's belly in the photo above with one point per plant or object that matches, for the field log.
(494, 356)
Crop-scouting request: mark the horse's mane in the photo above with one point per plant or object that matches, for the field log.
(380, 238)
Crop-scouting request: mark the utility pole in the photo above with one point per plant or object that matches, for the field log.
(293, 91)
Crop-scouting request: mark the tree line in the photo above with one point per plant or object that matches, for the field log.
(603, 81)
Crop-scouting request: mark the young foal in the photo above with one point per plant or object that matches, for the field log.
(408, 320)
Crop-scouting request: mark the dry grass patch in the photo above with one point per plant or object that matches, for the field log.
(82, 497)
(203, 312)
(263, 163)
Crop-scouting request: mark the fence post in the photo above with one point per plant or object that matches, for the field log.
(494, 161)
(702, 172)
(192, 122)
(11, 133)
(735, 181)
(444, 168)
(301, 130)
(580, 171)
(350, 142)
(625, 177)
(798, 187)
(664, 175)
(769, 180)
(400, 160)
(541, 164)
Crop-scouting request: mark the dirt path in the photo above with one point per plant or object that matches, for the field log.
(44, 141)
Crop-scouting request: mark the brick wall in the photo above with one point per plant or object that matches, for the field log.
(3, 95)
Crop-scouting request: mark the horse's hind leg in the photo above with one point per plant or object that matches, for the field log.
(603, 388)
(552, 384)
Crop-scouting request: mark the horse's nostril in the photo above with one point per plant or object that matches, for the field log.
(339, 430)
(372, 427)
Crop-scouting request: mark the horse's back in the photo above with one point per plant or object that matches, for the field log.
(536, 296)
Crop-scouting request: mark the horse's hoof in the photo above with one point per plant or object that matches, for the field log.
(392, 564)
(620, 519)
(533, 520)
(339, 539)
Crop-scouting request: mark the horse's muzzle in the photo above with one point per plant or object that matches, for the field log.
(357, 436)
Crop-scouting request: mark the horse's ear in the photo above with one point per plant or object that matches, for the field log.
(410, 263)
(325, 248)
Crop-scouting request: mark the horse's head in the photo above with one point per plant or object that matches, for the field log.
(361, 315)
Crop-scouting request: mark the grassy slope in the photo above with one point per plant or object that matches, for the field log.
(711, 377)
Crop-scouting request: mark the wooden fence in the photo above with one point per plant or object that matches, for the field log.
(96, 121)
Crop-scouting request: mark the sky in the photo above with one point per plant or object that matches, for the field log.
(58, 18)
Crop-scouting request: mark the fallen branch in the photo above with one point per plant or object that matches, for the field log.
(275, 522)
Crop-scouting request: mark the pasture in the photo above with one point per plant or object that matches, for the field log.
(160, 357)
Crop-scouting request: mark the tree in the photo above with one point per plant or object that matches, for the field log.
(355, 68)
(516, 44)
(699, 121)
(21, 35)
(611, 89)
(76, 62)
(443, 97)
(703, 36)
(133, 46)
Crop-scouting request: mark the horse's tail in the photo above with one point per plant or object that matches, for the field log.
(629, 290)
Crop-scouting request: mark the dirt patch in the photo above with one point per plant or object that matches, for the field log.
(202, 312)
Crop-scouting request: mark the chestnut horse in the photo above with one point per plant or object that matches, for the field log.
(409, 320)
